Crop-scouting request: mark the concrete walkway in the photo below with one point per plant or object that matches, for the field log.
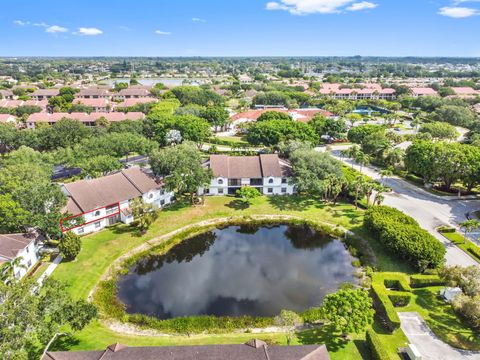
(430, 347)
(49, 269)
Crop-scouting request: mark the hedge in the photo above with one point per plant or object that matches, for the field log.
(399, 283)
(419, 281)
(385, 307)
(475, 251)
(402, 235)
(377, 349)
(399, 298)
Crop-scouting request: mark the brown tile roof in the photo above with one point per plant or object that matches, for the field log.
(135, 101)
(257, 350)
(92, 102)
(93, 92)
(134, 92)
(87, 195)
(12, 244)
(46, 92)
(236, 167)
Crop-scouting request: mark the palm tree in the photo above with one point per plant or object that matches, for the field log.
(379, 198)
(359, 185)
(469, 226)
(362, 159)
(385, 173)
(7, 271)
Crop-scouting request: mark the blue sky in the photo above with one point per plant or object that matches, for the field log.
(240, 27)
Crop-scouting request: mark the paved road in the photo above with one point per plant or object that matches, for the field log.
(430, 347)
(428, 209)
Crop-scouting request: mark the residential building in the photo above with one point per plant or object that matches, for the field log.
(12, 104)
(23, 246)
(465, 91)
(98, 104)
(106, 200)
(266, 172)
(252, 350)
(368, 91)
(6, 94)
(44, 94)
(7, 118)
(303, 115)
(93, 93)
(132, 93)
(87, 119)
(422, 91)
(135, 101)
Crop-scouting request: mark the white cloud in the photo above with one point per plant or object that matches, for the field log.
(304, 7)
(458, 12)
(21, 22)
(41, 24)
(89, 31)
(198, 20)
(160, 32)
(364, 5)
(56, 29)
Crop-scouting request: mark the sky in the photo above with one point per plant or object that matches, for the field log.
(240, 28)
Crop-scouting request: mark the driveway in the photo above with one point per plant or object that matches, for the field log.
(428, 209)
(430, 347)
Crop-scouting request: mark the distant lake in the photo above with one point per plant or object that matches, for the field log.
(239, 270)
(170, 82)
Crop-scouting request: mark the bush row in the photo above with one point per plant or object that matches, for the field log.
(385, 307)
(475, 251)
(399, 283)
(377, 349)
(404, 237)
(419, 281)
(399, 298)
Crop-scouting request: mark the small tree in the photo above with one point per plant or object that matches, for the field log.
(349, 310)
(70, 245)
(290, 320)
(248, 193)
(144, 214)
(468, 226)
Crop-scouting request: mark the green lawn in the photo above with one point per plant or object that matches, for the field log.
(101, 249)
(465, 244)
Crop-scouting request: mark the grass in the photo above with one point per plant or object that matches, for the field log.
(465, 244)
(36, 272)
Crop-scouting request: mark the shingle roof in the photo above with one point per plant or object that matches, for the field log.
(93, 92)
(87, 195)
(12, 244)
(236, 167)
(92, 102)
(84, 117)
(258, 350)
(46, 92)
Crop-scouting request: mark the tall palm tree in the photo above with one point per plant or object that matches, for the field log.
(362, 159)
(7, 271)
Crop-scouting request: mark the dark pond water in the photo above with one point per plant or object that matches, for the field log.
(239, 270)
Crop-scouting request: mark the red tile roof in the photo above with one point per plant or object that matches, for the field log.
(303, 115)
(135, 101)
(423, 91)
(84, 117)
(96, 103)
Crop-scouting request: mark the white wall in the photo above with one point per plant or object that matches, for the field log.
(29, 257)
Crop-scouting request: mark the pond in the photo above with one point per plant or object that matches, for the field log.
(239, 270)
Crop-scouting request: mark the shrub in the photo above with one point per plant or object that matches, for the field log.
(377, 349)
(385, 307)
(419, 281)
(399, 283)
(70, 245)
(475, 251)
(399, 298)
(404, 237)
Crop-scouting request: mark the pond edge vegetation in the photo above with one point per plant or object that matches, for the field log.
(104, 294)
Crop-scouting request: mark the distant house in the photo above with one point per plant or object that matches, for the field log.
(266, 172)
(422, 91)
(132, 102)
(98, 104)
(44, 94)
(87, 119)
(93, 93)
(13, 104)
(132, 93)
(465, 91)
(7, 118)
(476, 108)
(367, 91)
(23, 246)
(303, 115)
(106, 200)
(6, 94)
(252, 350)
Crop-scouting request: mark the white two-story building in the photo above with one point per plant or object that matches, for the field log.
(23, 246)
(267, 173)
(94, 204)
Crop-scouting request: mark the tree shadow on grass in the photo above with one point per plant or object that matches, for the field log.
(238, 204)
(291, 203)
(64, 343)
(323, 335)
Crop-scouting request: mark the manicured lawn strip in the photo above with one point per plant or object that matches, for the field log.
(39, 271)
(96, 336)
(465, 244)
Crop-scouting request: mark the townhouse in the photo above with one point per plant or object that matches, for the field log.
(132, 93)
(7, 118)
(135, 101)
(422, 91)
(25, 247)
(6, 94)
(44, 94)
(94, 204)
(303, 115)
(266, 172)
(93, 93)
(97, 104)
(465, 92)
(87, 119)
(13, 104)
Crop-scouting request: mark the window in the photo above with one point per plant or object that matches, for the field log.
(270, 181)
(220, 191)
(256, 182)
(97, 213)
(29, 263)
(28, 249)
(234, 182)
(284, 180)
(98, 224)
(220, 181)
(150, 196)
(270, 190)
(284, 190)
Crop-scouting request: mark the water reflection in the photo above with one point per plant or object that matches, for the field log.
(238, 270)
